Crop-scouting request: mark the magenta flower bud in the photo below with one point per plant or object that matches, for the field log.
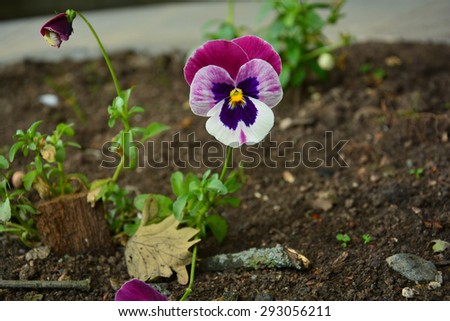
(57, 29)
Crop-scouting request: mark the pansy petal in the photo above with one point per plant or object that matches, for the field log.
(256, 47)
(210, 85)
(221, 53)
(242, 134)
(262, 126)
(259, 80)
(137, 290)
(60, 25)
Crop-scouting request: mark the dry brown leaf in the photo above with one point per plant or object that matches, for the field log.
(157, 249)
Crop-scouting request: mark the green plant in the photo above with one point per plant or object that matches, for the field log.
(226, 29)
(15, 210)
(45, 172)
(297, 34)
(366, 238)
(417, 172)
(377, 74)
(343, 238)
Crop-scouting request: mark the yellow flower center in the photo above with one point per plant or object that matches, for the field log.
(236, 97)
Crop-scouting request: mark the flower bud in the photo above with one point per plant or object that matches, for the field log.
(326, 61)
(58, 29)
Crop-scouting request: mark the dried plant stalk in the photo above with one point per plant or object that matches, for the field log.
(83, 285)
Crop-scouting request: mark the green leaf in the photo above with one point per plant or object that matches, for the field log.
(26, 209)
(154, 129)
(139, 201)
(232, 183)
(298, 77)
(125, 95)
(38, 163)
(28, 179)
(135, 110)
(285, 75)
(74, 145)
(32, 130)
(217, 186)
(14, 149)
(218, 226)
(440, 246)
(118, 104)
(179, 205)
(229, 201)
(164, 203)
(60, 155)
(206, 175)
(293, 54)
(65, 129)
(4, 164)
(131, 228)
(5, 211)
(177, 183)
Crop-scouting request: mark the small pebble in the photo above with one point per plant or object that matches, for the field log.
(41, 252)
(433, 285)
(407, 292)
(16, 179)
(288, 177)
(49, 100)
(286, 123)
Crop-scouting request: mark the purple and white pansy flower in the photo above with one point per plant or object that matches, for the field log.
(58, 29)
(236, 84)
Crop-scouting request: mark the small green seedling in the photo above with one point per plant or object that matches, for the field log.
(366, 238)
(417, 172)
(343, 238)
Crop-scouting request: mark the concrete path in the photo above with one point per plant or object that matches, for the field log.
(164, 27)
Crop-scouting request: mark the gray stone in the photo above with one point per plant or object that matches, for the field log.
(412, 267)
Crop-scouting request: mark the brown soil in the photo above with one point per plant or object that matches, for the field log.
(392, 125)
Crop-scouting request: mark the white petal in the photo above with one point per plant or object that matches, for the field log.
(262, 126)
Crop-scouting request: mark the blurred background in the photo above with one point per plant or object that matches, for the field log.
(10, 9)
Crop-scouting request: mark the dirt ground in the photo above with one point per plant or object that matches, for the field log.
(391, 102)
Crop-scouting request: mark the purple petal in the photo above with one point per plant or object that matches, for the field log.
(256, 47)
(245, 132)
(221, 53)
(230, 117)
(137, 290)
(261, 81)
(59, 25)
(210, 85)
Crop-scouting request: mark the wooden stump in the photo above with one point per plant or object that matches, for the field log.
(69, 225)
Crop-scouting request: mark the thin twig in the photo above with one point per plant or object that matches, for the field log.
(83, 285)
(275, 257)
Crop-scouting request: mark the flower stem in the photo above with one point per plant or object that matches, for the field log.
(230, 15)
(226, 163)
(105, 55)
(200, 216)
(192, 275)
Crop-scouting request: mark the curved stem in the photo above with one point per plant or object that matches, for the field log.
(118, 169)
(226, 163)
(192, 275)
(105, 55)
